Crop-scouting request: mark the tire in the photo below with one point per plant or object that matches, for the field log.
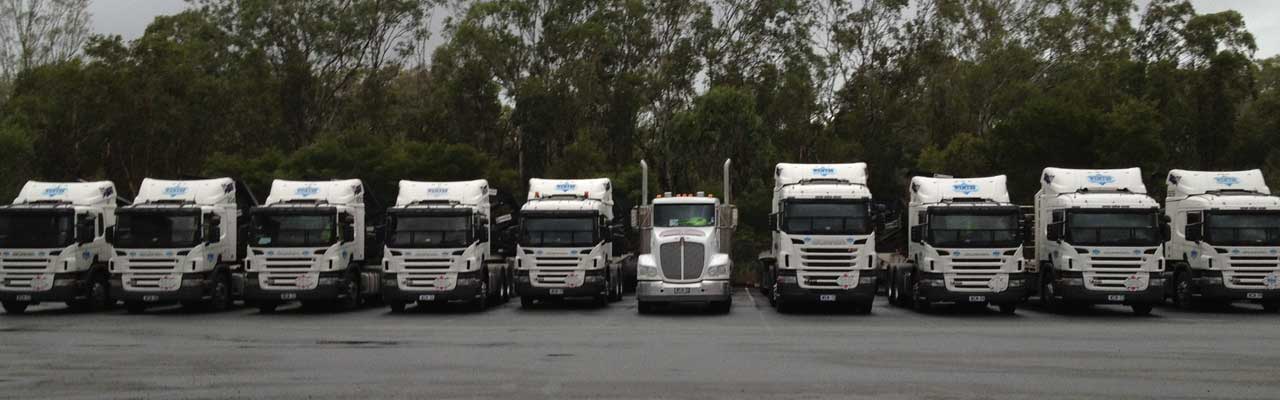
(1182, 292)
(1047, 299)
(397, 306)
(526, 302)
(1008, 308)
(135, 307)
(1271, 307)
(15, 307)
(268, 308)
(352, 300)
(1142, 309)
(646, 307)
(481, 303)
(618, 289)
(773, 296)
(862, 308)
(891, 290)
(97, 298)
(221, 298)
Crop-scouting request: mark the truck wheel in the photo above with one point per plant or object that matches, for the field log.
(1047, 299)
(352, 293)
(15, 307)
(773, 296)
(396, 306)
(891, 290)
(646, 307)
(1142, 309)
(1008, 308)
(862, 308)
(1271, 307)
(268, 307)
(481, 303)
(618, 289)
(96, 298)
(526, 302)
(221, 298)
(135, 307)
(1182, 292)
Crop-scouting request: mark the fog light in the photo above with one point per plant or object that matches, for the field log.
(866, 280)
(468, 282)
(1215, 280)
(933, 283)
(64, 282)
(522, 279)
(328, 281)
(647, 271)
(1071, 281)
(593, 279)
(1157, 282)
(787, 279)
(1016, 283)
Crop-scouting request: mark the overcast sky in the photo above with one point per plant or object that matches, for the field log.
(129, 18)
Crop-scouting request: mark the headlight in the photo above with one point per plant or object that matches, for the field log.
(522, 279)
(1071, 281)
(1015, 283)
(1213, 280)
(718, 270)
(468, 282)
(647, 271)
(790, 280)
(64, 282)
(866, 280)
(1157, 282)
(933, 282)
(328, 281)
(593, 278)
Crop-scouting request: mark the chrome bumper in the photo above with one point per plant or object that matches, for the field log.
(718, 290)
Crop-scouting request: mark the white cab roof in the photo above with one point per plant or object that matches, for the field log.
(468, 193)
(1056, 181)
(202, 192)
(75, 193)
(686, 200)
(1183, 183)
(596, 189)
(936, 190)
(349, 191)
(789, 174)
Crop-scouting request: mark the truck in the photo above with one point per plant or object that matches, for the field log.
(54, 248)
(308, 243)
(1099, 239)
(1225, 241)
(684, 245)
(445, 243)
(824, 237)
(570, 243)
(181, 241)
(964, 246)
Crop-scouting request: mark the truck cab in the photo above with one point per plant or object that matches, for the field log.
(824, 239)
(964, 246)
(441, 246)
(1099, 239)
(307, 243)
(568, 240)
(53, 245)
(685, 240)
(1225, 241)
(179, 242)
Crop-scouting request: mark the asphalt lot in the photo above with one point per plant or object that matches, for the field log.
(576, 351)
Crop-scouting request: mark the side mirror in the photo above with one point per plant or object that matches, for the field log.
(917, 234)
(85, 232)
(348, 233)
(1055, 232)
(110, 235)
(773, 222)
(482, 235)
(213, 230)
(1194, 233)
(1166, 233)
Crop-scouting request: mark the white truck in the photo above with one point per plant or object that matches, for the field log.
(824, 239)
(964, 246)
(444, 244)
(179, 242)
(684, 245)
(1225, 244)
(569, 242)
(1099, 239)
(307, 243)
(53, 245)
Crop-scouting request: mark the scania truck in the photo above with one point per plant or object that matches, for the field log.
(1099, 239)
(181, 241)
(1225, 244)
(964, 246)
(53, 245)
(824, 242)
(307, 243)
(569, 242)
(444, 243)
(685, 241)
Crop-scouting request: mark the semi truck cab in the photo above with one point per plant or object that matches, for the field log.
(53, 245)
(1225, 241)
(567, 242)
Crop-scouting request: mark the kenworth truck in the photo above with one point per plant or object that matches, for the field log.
(53, 245)
(569, 242)
(685, 240)
(964, 246)
(1225, 244)
(180, 241)
(824, 242)
(444, 243)
(307, 243)
(1099, 239)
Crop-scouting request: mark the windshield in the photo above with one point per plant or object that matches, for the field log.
(294, 230)
(1105, 228)
(1243, 228)
(157, 230)
(974, 230)
(844, 218)
(559, 232)
(430, 231)
(684, 215)
(36, 230)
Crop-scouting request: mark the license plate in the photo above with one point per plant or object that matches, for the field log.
(1115, 297)
(977, 299)
(682, 290)
(288, 296)
(24, 297)
(1254, 295)
(427, 297)
(557, 292)
(151, 298)
(827, 297)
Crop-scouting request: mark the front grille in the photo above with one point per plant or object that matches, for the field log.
(420, 264)
(989, 265)
(1255, 263)
(1116, 264)
(682, 260)
(423, 281)
(282, 280)
(287, 263)
(1246, 279)
(24, 264)
(969, 282)
(828, 258)
(1109, 281)
(556, 261)
(17, 281)
(148, 265)
(143, 281)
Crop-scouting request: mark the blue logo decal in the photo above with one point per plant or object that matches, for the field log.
(7, 253)
(995, 253)
(1235, 251)
(808, 239)
(965, 188)
(1227, 180)
(1273, 251)
(175, 191)
(566, 187)
(209, 257)
(55, 191)
(307, 191)
(824, 171)
(168, 253)
(1101, 180)
(1195, 253)
(86, 255)
(1096, 252)
(849, 240)
(1136, 251)
(438, 191)
(271, 252)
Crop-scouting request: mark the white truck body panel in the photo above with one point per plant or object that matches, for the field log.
(1205, 193)
(297, 268)
(437, 268)
(929, 191)
(566, 267)
(161, 269)
(809, 254)
(973, 270)
(33, 269)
